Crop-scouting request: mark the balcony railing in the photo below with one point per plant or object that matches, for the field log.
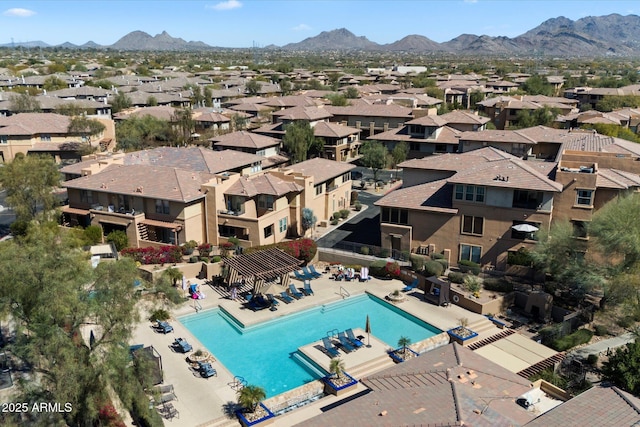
(229, 212)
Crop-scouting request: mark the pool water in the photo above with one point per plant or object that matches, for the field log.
(266, 354)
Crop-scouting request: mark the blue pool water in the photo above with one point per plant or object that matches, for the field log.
(266, 354)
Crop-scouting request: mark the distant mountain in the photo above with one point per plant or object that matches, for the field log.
(591, 36)
(341, 39)
(68, 45)
(139, 40)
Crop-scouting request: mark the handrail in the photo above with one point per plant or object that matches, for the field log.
(197, 305)
(346, 293)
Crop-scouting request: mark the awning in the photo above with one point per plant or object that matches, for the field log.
(115, 221)
(162, 224)
(68, 209)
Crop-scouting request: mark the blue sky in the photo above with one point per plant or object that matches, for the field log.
(241, 23)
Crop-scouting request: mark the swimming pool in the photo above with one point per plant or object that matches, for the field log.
(266, 354)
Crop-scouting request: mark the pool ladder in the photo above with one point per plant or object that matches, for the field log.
(344, 293)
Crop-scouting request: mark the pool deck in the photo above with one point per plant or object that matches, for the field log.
(202, 402)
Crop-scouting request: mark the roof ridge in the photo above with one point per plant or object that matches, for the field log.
(625, 398)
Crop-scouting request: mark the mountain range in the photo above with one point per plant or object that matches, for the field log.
(610, 35)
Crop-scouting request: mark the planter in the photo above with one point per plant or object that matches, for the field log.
(462, 335)
(262, 416)
(396, 298)
(348, 384)
(400, 354)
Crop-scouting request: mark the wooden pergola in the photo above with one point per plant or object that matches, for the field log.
(260, 268)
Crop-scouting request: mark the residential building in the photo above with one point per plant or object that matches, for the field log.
(503, 110)
(371, 119)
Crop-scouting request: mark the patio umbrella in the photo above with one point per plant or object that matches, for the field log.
(367, 329)
(525, 228)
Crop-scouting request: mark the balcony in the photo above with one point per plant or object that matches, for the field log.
(230, 213)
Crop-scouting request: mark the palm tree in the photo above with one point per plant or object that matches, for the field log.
(336, 367)
(404, 342)
(250, 396)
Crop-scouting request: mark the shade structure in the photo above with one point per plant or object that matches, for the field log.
(525, 228)
(367, 329)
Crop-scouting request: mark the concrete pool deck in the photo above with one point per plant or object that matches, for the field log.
(202, 402)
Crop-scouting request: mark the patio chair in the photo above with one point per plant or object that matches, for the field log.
(312, 269)
(411, 286)
(344, 342)
(301, 276)
(272, 299)
(352, 338)
(296, 293)
(310, 273)
(307, 288)
(329, 347)
(206, 370)
(164, 327)
(285, 297)
(364, 274)
(169, 412)
(182, 345)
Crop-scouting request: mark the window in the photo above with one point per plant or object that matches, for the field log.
(256, 167)
(268, 231)
(265, 201)
(162, 207)
(395, 216)
(282, 225)
(527, 199)
(580, 229)
(470, 253)
(585, 197)
(45, 137)
(472, 224)
(469, 193)
(86, 196)
(414, 146)
(346, 177)
(319, 189)
(4, 139)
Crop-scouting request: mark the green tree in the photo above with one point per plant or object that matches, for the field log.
(299, 140)
(250, 396)
(50, 323)
(544, 116)
(336, 367)
(623, 366)
(120, 102)
(137, 133)
(374, 156)
(183, 118)
(537, 85)
(152, 101)
(238, 122)
(399, 154)
(308, 219)
(93, 234)
(338, 100)
(29, 182)
(118, 238)
(85, 127)
(351, 93)
(24, 103)
(54, 83)
(285, 86)
(253, 87)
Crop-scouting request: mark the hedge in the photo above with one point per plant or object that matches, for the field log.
(581, 336)
(469, 266)
(433, 268)
(498, 285)
(150, 255)
(456, 277)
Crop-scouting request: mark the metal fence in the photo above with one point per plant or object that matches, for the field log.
(376, 251)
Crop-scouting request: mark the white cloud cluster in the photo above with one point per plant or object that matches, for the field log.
(17, 11)
(226, 5)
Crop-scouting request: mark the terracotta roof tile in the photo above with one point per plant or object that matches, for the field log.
(435, 196)
(376, 110)
(34, 123)
(244, 139)
(321, 169)
(262, 184)
(303, 113)
(333, 130)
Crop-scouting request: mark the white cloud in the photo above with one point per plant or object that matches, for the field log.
(301, 27)
(16, 11)
(226, 5)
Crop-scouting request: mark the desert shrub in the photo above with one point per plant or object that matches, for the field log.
(170, 292)
(384, 252)
(216, 258)
(472, 284)
(149, 255)
(336, 215)
(592, 359)
(377, 268)
(581, 336)
(498, 285)
(344, 213)
(417, 262)
(469, 266)
(433, 268)
(357, 206)
(205, 249)
(193, 259)
(160, 314)
(601, 330)
(334, 222)
(456, 277)
(443, 262)
(392, 269)
(304, 249)
(549, 334)
(435, 256)
(520, 257)
(625, 321)
(364, 250)
(188, 247)
(119, 239)
(93, 234)
(550, 376)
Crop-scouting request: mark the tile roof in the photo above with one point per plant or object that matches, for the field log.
(303, 113)
(614, 178)
(321, 169)
(429, 120)
(158, 182)
(34, 123)
(497, 136)
(375, 110)
(162, 112)
(293, 101)
(333, 130)
(262, 184)
(456, 161)
(464, 117)
(435, 196)
(446, 135)
(598, 406)
(448, 386)
(244, 139)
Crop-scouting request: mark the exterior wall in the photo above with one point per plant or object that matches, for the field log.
(411, 177)
(566, 206)
(194, 224)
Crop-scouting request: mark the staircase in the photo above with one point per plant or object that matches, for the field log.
(371, 367)
(143, 231)
(483, 327)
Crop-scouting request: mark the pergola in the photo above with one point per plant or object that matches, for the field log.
(260, 268)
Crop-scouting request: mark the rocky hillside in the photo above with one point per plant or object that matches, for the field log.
(341, 39)
(139, 40)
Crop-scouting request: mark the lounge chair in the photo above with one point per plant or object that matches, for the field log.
(169, 412)
(285, 297)
(272, 299)
(206, 370)
(344, 342)
(411, 286)
(329, 347)
(310, 273)
(364, 274)
(182, 345)
(312, 268)
(352, 338)
(301, 276)
(164, 327)
(296, 293)
(307, 288)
